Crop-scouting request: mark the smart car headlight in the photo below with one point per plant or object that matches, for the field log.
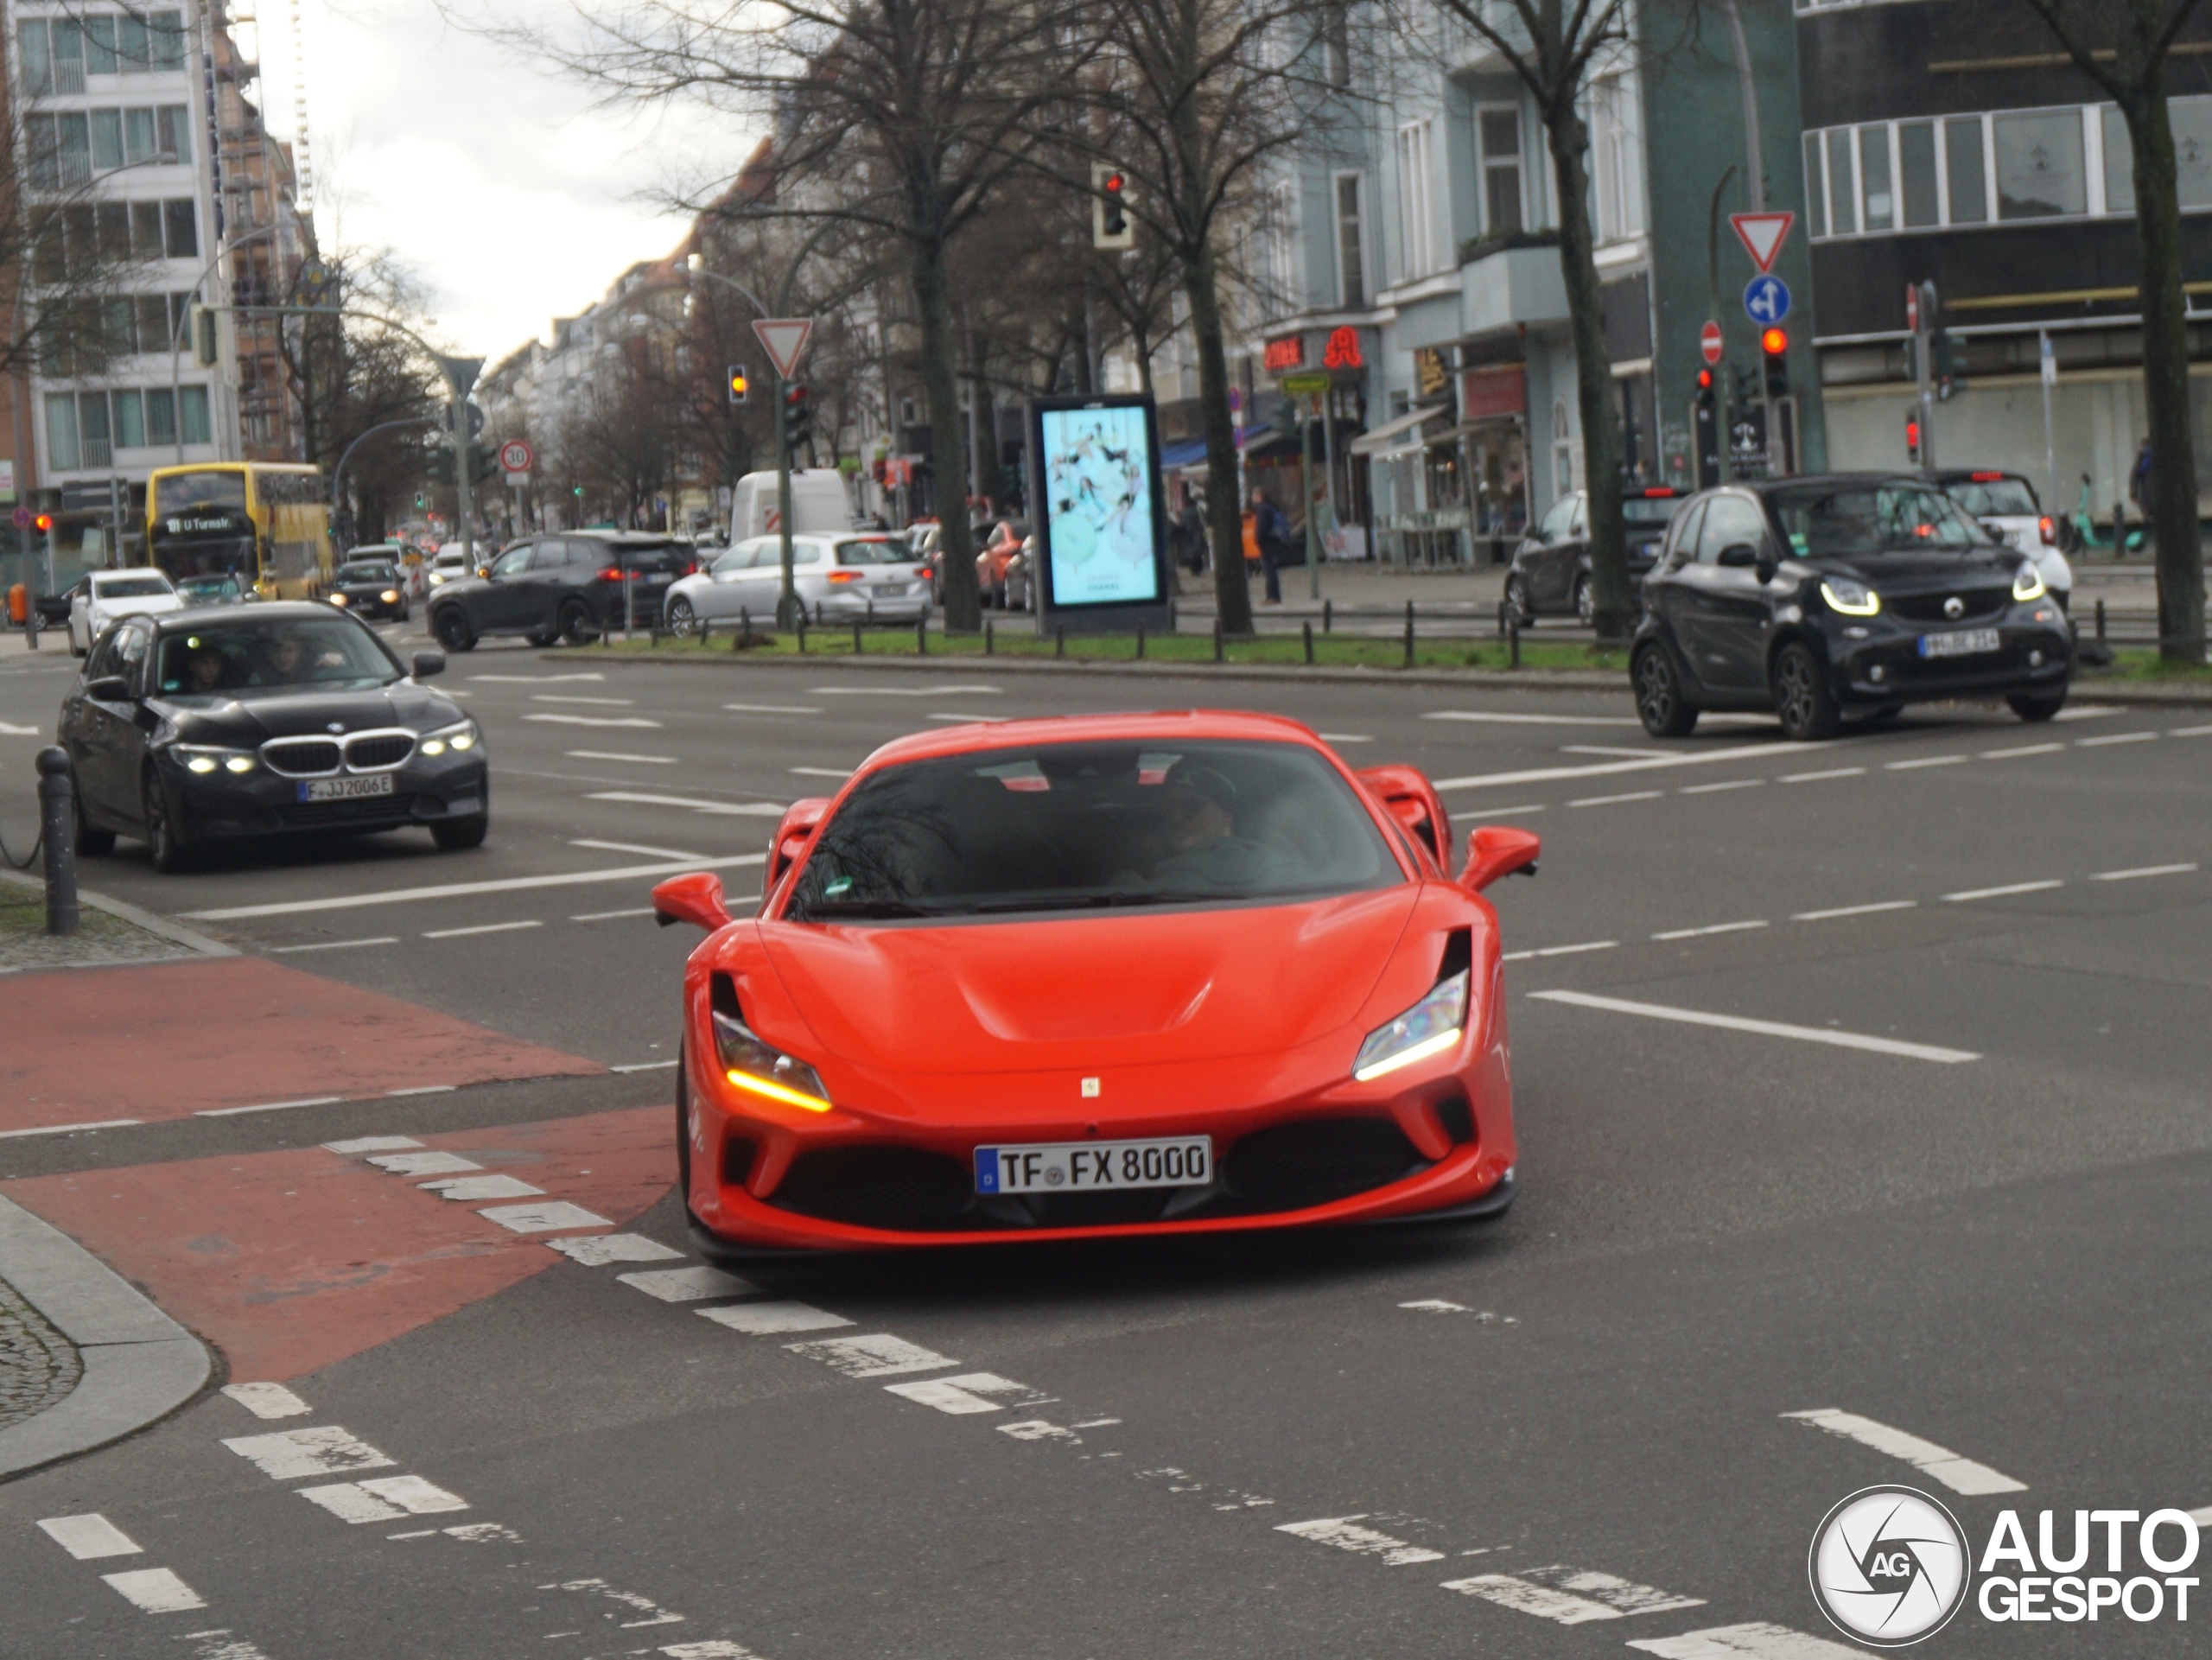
(763, 1069)
(203, 758)
(1429, 1028)
(2027, 582)
(1852, 598)
(461, 735)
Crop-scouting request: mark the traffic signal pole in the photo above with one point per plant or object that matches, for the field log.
(463, 469)
(787, 600)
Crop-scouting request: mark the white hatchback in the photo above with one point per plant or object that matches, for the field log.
(2004, 504)
(857, 576)
(103, 595)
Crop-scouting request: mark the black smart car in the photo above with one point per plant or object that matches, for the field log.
(1824, 596)
(1550, 572)
(369, 587)
(567, 588)
(234, 723)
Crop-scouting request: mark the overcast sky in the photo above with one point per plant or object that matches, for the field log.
(495, 181)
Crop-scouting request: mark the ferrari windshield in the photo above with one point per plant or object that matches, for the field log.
(1077, 826)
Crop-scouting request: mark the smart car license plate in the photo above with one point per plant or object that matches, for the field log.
(345, 789)
(1967, 642)
(1084, 1167)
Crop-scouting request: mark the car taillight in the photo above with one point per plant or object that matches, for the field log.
(2049, 527)
(612, 574)
(844, 575)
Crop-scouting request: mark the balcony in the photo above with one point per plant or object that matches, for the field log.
(1511, 287)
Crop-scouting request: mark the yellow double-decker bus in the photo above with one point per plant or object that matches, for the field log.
(265, 523)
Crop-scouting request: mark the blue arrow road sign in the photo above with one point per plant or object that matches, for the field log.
(1766, 300)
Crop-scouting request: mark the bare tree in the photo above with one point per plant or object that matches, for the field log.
(2125, 46)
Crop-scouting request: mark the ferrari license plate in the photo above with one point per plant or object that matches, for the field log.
(1085, 1166)
(1967, 642)
(345, 789)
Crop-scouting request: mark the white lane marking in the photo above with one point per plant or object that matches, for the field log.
(536, 679)
(64, 1130)
(727, 809)
(902, 691)
(1547, 774)
(555, 1218)
(597, 1251)
(1609, 800)
(1562, 951)
(773, 1318)
(718, 1649)
(772, 709)
(1538, 1600)
(2089, 711)
(1489, 718)
(325, 1450)
(267, 1106)
(2143, 870)
(655, 1614)
(1041, 1429)
(877, 1355)
(571, 697)
(689, 1284)
(88, 1537)
(1609, 749)
(386, 1499)
(1966, 894)
(2189, 731)
(335, 944)
(969, 1393)
(425, 1089)
(482, 928)
(633, 847)
(1925, 760)
(1960, 1475)
(424, 1164)
(1345, 737)
(222, 1644)
(1758, 1640)
(608, 916)
(610, 754)
(1716, 928)
(154, 1591)
(1502, 812)
(460, 890)
(1764, 1028)
(2113, 738)
(973, 720)
(349, 1503)
(267, 1400)
(371, 1144)
(2022, 749)
(472, 1189)
(820, 772)
(1625, 1596)
(2204, 1518)
(1856, 909)
(474, 1533)
(1815, 778)
(1435, 1306)
(1103, 1423)
(1713, 789)
(1341, 1532)
(594, 720)
(11, 730)
(643, 1066)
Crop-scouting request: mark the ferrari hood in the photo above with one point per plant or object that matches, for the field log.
(1010, 996)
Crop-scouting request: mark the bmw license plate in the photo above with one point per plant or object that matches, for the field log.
(1967, 642)
(345, 789)
(1085, 1166)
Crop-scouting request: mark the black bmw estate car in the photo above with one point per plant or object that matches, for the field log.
(1824, 596)
(233, 722)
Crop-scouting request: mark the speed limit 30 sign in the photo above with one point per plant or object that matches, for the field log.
(516, 456)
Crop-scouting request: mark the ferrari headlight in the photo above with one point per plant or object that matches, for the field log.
(763, 1069)
(2027, 582)
(1853, 599)
(1429, 1028)
(457, 737)
(203, 758)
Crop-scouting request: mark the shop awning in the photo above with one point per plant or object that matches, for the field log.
(1380, 437)
(1182, 452)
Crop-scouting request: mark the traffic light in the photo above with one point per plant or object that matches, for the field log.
(798, 416)
(737, 384)
(1706, 420)
(441, 468)
(1944, 360)
(483, 463)
(1774, 347)
(43, 522)
(1109, 215)
(421, 501)
(1912, 439)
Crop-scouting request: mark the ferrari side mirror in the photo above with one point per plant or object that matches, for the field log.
(695, 898)
(1494, 851)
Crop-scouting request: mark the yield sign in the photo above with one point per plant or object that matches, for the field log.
(784, 339)
(1763, 235)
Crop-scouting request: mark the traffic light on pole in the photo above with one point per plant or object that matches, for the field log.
(43, 522)
(441, 467)
(483, 463)
(737, 384)
(1706, 418)
(798, 416)
(1943, 362)
(1110, 208)
(1774, 348)
(1912, 438)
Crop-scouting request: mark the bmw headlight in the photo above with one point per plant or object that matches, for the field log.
(1429, 1028)
(763, 1069)
(340, 600)
(1852, 598)
(2027, 582)
(463, 735)
(389, 596)
(200, 760)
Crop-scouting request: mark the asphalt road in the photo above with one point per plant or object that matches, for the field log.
(1951, 1180)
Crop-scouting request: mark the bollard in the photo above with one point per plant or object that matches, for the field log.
(922, 635)
(1140, 639)
(856, 637)
(2101, 622)
(1501, 618)
(1060, 641)
(1174, 622)
(1409, 633)
(802, 631)
(1328, 615)
(990, 638)
(1513, 641)
(30, 625)
(743, 638)
(58, 829)
(1309, 641)
(653, 632)
(1216, 639)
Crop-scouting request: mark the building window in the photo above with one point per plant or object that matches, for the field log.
(1498, 135)
(192, 408)
(1816, 189)
(35, 62)
(1279, 235)
(1965, 172)
(1843, 183)
(130, 419)
(61, 431)
(107, 140)
(73, 147)
(68, 56)
(1417, 198)
(1878, 206)
(1336, 45)
(1618, 155)
(2190, 121)
(94, 449)
(1351, 256)
(2040, 173)
(173, 133)
(161, 415)
(1916, 174)
(181, 230)
(99, 44)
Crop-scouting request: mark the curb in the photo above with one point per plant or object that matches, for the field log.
(139, 1364)
(175, 933)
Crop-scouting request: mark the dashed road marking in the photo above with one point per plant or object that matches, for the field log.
(1624, 1595)
(1758, 1640)
(2189, 731)
(609, 916)
(689, 1284)
(821, 771)
(557, 1217)
(1816, 777)
(267, 1400)
(1960, 1475)
(597, 1251)
(1345, 737)
(1971, 893)
(633, 847)
(371, 1144)
(966, 1393)
(423, 1088)
(775, 1319)
(772, 708)
(1343, 1534)
(971, 720)
(423, 1164)
(877, 1355)
(483, 928)
(1856, 909)
(1505, 812)
(1765, 1028)
(387, 1500)
(154, 1591)
(325, 1450)
(725, 809)
(1548, 774)
(903, 692)
(473, 1189)
(2022, 749)
(1611, 800)
(1435, 1306)
(221, 1644)
(1521, 1596)
(1562, 951)
(1489, 718)
(461, 890)
(594, 720)
(571, 697)
(89, 1537)
(2143, 870)
(2111, 738)
(268, 1106)
(1041, 1429)
(615, 754)
(335, 944)
(1571, 1596)
(1924, 761)
(1712, 928)
(1726, 783)
(64, 1130)
(537, 679)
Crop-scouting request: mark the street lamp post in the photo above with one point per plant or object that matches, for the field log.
(176, 330)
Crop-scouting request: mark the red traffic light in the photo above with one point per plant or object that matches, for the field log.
(1705, 380)
(44, 522)
(1115, 183)
(1775, 342)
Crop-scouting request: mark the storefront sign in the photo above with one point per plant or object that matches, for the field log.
(1430, 376)
(1289, 352)
(1343, 350)
(1500, 390)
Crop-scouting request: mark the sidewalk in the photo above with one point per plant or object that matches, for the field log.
(108, 931)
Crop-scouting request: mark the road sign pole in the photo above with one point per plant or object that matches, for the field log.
(787, 600)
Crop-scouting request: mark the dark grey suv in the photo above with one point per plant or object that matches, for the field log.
(561, 587)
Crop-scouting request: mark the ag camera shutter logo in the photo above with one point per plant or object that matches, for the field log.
(1888, 1566)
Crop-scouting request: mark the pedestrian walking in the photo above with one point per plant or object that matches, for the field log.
(1273, 536)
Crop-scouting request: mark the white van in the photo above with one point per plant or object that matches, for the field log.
(820, 506)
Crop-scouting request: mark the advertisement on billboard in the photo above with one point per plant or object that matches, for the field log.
(1098, 504)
